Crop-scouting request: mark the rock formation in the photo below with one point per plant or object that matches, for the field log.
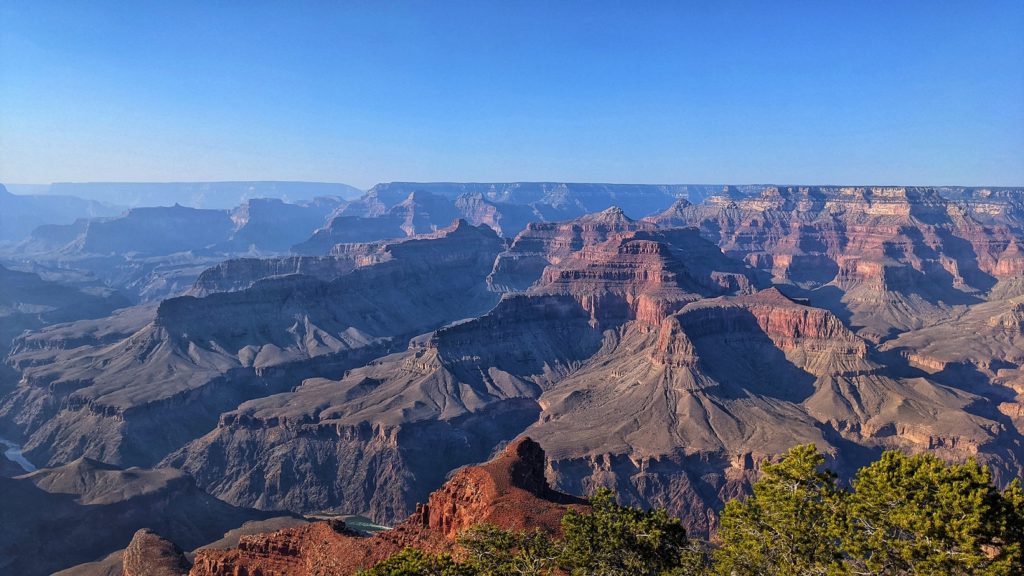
(153, 253)
(456, 393)
(131, 396)
(20, 214)
(886, 260)
(641, 358)
(395, 209)
(149, 554)
(509, 492)
(420, 213)
(664, 357)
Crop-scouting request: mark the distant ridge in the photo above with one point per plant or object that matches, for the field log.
(226, 194)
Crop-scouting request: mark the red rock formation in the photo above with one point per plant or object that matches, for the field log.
(899, 257)
(618, 269)
(149, 554)
(546, 243)
(510, 492)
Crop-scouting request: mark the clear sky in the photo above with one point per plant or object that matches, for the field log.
(887, 92)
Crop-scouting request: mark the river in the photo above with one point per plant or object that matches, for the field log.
(13, 453)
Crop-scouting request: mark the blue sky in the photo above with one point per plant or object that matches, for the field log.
(360, 92)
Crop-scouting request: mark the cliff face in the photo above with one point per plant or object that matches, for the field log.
(888, 259)
(166, 230)
(134, 396)
(509, 492)
(543, 244)
(507, 219)
(242, 273)
(644, 276)
(271, 224)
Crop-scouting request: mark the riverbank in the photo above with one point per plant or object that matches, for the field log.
(13, 453)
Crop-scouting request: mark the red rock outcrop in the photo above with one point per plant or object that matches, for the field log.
(510, 492)
(149, 554)
(643, 276)
(618, 269)
(547, 243)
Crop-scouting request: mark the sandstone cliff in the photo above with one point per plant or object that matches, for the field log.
(886, 260)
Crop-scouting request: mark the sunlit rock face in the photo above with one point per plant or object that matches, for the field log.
(887, 260)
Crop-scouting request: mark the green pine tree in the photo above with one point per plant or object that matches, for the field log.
(412, 562)
(492, 551)
(614, 540)
(920, 515)
(783, 528)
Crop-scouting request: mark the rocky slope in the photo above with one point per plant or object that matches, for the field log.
(654, 356)
(132, 391)
(92, 509)
(509, 492)
(980, 351)
(731, 381)
(149, 554)
(382, 437)
(886, 260)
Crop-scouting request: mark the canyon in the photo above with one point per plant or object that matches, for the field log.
(374, 350)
